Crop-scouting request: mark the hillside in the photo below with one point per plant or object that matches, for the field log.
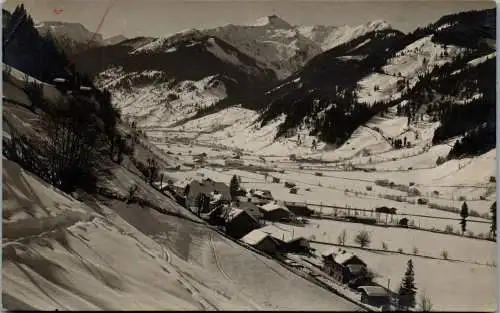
(286, 48)
(71, 37)
(95, 250)
(151, 81)
(379, 70)
(388, 139)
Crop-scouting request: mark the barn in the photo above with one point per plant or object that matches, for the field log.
(239, 223)
(374, 295)
(261, 241)
(299, 209)
(275, 212)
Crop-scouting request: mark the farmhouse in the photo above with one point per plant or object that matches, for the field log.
(274, 212)
(251, 209)
(239, 223)
(261, 241)
(206, 187)
(299, 209)
(374, 295)
(343, 266)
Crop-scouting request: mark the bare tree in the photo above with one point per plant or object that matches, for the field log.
(363, 238)
(425, 304)
(341, 239)
(73, 147)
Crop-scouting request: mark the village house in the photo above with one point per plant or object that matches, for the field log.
(299, 209)
(262, 194)
(374, 295)
(207, 187)
(274, 212)
(261, 241)
(343, 266)
(239, 222)
(250, 208)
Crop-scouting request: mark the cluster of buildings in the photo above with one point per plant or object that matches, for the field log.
(244, 218)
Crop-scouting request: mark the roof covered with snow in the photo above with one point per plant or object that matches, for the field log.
(269, 207)
(255, 237)
(374, 291)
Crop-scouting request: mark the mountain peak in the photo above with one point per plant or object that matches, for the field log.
(272, 21)
(378, 25)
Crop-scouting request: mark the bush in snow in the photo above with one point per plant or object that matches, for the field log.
(369, 188)
(448, 229)
(400, 250)
(415, 250)
(132, 190)
(444, 254)
(362, 238)
(440, 160)
(384, 246)
(342, 237)
(414, 192)
(425, 304)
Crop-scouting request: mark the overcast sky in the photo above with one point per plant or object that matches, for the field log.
(163, 17)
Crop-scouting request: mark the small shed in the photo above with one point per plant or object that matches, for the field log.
(239, 223)
(298, 245)
(275, 212)
(299, 209)
(374, 295)
(261, 241)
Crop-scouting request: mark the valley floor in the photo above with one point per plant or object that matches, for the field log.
(471, 262)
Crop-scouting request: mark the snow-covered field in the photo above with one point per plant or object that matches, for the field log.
(451, 286)
(62, 254)
(445, 185)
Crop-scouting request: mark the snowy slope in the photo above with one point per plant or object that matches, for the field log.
(71, 36)
(160, 103)
(272, 41)
(74, 31)
(286, 48)
(418, 58)
(75, 257)
(329, 37)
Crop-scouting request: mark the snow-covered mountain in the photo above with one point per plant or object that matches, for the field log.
(167, 80)
(286, 48)
(114, 40)
(71, 36)
(272, 41)
(343, 88)
(329, 37)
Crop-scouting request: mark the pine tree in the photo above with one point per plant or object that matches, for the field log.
(234, 187)
(493, 211)
(464, 213)
(407, 290)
